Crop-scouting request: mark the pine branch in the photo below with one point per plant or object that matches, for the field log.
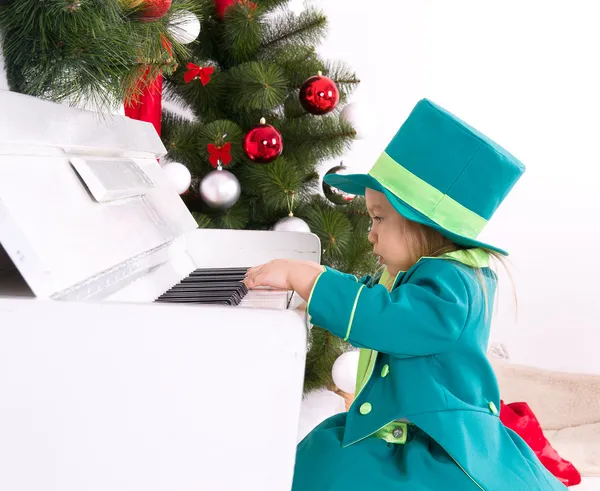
(235, 217)
(331, 226)
(255, 87)
(203, 220)
(309, 28)
(241, 33)
(203, 100)
(65, 51)
(317, 138)
(268, 5)
(182, 141)
(345, 78)
(275, 183)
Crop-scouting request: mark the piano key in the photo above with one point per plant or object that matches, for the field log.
(219, 271)
(206, 285)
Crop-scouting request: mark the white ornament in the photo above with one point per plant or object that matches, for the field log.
(291, 224)
(179, 176)
(220, 189)
(344, 371)
(184, 27)
(357, 116)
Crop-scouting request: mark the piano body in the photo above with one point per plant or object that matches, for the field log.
(102, 386)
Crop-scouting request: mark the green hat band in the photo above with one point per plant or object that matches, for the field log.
(426, 199)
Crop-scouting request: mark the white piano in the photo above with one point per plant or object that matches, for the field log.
(102, 387)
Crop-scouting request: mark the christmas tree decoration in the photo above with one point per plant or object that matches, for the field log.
(344, 371)
(184, 27)
(319, 95)
(263, 143)
(222, 6)
(197, 72)
(220, 189)
(357, 116)
(179, 176)
(291, 224)
(335, 195)
(150, 10)
(261, 57)
(219, 154)
(88, 53)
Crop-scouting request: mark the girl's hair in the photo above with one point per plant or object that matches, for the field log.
(424, 241)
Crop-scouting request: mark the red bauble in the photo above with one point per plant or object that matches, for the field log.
(222, 6)
(319, 95)
(263, 143)
(152, 9)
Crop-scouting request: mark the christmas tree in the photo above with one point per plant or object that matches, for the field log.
(265, 109)
(255, 61)
(99, 52)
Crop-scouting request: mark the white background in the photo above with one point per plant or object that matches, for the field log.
(524, 73)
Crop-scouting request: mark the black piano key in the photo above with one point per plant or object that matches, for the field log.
(207, 301)
(198, 288)
(221, 286)
(219, 271)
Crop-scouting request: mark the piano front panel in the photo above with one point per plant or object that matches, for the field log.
(116, 396)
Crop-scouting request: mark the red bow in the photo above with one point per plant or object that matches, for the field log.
(195, 71)
(222, 153)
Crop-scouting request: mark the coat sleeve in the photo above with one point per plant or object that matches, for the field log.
(424, 316)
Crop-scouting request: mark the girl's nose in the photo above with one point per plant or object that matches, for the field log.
(371, 236)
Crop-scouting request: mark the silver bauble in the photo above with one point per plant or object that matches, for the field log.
(220, 189)
(291, 224)
(335, 195)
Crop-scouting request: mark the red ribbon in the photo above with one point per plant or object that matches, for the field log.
(222, 153)
(195, 71)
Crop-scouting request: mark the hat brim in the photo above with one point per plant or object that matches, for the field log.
(357, 184)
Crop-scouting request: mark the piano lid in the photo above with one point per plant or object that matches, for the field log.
(82, 195)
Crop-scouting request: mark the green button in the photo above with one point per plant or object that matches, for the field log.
(493, 408)
(366, 408)
(385, 370)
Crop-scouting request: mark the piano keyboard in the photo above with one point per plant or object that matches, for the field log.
(209, 286)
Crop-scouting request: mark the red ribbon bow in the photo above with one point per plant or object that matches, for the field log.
(222, 153)
(195, 71)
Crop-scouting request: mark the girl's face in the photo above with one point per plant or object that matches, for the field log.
(388, 233)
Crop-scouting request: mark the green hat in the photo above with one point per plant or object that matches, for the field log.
(440, 172)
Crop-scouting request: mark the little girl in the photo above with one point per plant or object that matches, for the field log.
(425, 417)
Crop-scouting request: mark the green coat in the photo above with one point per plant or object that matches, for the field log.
(426, 417)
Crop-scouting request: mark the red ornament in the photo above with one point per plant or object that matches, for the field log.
(152, 9)
(195, 71)
(319, 95)
(220, 153)
(222, 6)
(263, 143)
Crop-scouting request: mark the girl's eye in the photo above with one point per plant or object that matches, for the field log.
(377, 219)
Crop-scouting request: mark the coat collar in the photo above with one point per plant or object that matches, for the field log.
(474, 258)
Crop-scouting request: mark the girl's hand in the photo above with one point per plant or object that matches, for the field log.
(274, 274)
(285, 274)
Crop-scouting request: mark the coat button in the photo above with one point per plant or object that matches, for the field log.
(366, 408)
(385, 370)
(398, 433)
(493, 408)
